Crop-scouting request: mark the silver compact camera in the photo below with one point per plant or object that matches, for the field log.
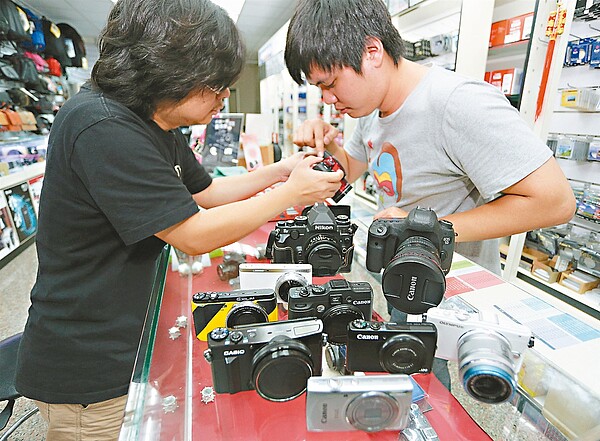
(369, 403)
(489, 354)
(280, 277)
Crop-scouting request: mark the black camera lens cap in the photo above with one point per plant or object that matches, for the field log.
(413, 283)
(325, 260)
(402, 354)
(245, 313)
(336, 321)
(281, 369)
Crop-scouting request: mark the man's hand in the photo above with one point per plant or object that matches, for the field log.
(391, 212)
(315, 133)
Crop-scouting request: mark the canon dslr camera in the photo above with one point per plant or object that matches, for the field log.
(276, 359)
(337, 303)
(322, 236)
(416, 253)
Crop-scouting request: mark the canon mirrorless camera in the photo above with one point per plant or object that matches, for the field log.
(390, 347)
(416, 253)
(275, 359)
(214, 309)
(337, 303)
(322, 237)
(369, 403)
(489, 354)
(330, 164)
(280, 277)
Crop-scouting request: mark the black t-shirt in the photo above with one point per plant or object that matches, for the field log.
(112, 181)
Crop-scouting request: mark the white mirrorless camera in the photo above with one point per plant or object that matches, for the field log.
(489, 354)
(280, 277)
(369, 403)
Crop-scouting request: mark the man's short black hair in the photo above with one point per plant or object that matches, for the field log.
(330, 34)
(162, 50)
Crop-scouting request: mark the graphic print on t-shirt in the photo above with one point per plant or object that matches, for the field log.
(387, 172)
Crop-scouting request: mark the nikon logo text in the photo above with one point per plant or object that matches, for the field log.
(367, 337)
(234, 352)
(323, 227)
(412, 288)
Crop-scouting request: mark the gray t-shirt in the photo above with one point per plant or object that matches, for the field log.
(453, 145)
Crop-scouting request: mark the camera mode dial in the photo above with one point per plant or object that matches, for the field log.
(219, 334)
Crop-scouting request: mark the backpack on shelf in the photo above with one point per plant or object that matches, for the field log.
(16, 25)
(38, 42)
(74, 43)
(54, 67)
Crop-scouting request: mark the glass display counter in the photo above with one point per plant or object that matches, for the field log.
(171, 394)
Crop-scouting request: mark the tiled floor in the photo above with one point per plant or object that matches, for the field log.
(16, 280)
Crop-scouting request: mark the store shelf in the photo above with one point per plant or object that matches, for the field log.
(587, 302)
(505, 50)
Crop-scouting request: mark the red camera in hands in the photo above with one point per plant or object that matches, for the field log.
(330, 164)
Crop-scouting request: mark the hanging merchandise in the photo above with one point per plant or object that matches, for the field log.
(27, 71)
(54, 67)
(74, 43)
(55, 43)
(40, 64)
(555, 27)
(10, 12)
(38, 42)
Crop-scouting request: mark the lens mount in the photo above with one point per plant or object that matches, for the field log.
(336, 320)
(281, 369)
(245, 313)
(485, 366)
(402, 354)
(414, 281)
(285, 282)
(372, 411)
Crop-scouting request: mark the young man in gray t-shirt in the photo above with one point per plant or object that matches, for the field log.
(429, 137)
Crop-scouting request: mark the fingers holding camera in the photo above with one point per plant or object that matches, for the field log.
(309, 186)
(315, 133)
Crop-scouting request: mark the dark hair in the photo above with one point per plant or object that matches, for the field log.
(158, 50)
(330, 34)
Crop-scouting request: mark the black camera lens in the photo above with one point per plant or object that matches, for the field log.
(245, 313)
(414, 281)
(281, 369)
(402, 354)
(336, 320)
(228, 271)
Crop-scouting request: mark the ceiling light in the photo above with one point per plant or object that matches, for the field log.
(232, 7)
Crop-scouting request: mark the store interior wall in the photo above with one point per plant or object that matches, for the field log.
(247, 91)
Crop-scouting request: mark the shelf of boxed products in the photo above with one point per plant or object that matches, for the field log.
(508, 47)
(430, 31)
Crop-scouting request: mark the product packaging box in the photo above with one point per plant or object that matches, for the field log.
(507, 80)
(545, 270)
(514, 30)
(578, 281)
(498, 33)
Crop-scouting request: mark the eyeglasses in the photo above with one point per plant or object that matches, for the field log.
(216, 91)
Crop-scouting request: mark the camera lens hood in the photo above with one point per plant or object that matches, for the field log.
(245, 313)
(281, 369)
(291, 279)
(414, 281)
(403, 354)
(336, 320)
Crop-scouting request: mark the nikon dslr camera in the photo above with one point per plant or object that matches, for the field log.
(275, 359)
(416, 253)
(337, 303)
(390, 347)
(322, 236)
(211, 310)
